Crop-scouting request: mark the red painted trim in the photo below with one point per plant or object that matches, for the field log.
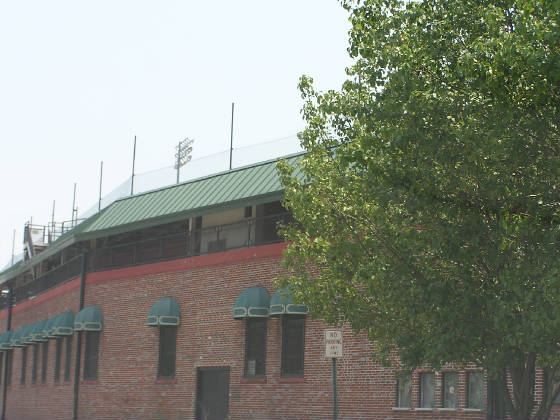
(252, 380)
(291, 380)
(208, 260)
(43, 297)
(166, 381)
(182, 264)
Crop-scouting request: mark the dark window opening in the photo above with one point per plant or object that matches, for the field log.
(450, 390)
(475, 390)
(68, 358)
(91, 355)
(58, 359)
(268, 216)
(249, 211)
(23, 365)
(255, 347)
(34, 364)
(293, 345)
(404, 391)
(167, 351)
(1, 366)
(9, 362)
(44, 362)
(427, 390)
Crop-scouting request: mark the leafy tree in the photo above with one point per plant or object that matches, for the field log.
(429, 213)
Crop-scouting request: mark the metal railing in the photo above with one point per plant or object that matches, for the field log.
(246, 233)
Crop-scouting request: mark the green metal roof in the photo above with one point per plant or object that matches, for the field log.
(253, 302)
(165, 311)
(89, 319)
(250, 185)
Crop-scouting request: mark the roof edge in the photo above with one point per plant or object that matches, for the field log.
(253, 165)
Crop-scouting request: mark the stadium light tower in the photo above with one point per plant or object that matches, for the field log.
(183, 154)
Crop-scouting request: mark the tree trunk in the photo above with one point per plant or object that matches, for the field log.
(520, 396)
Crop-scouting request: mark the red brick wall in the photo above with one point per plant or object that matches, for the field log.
(206, 288)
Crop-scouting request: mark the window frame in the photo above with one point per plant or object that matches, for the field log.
(444, 379)
(58, 358)
(250, 324)
(68, 358)
(23, 365)
(167, 355)
(422, 390)
(9, 366)
(91, 356)
(400, 380)
(286, 319)
(44, 362)
(35, 363)
(469, 392)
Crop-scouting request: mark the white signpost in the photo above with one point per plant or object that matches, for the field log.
(333, 349)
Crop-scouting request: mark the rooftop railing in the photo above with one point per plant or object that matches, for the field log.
(246, 233)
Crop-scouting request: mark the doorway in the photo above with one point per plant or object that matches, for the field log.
(212, 393)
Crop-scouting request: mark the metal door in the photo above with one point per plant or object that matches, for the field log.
(212, 393)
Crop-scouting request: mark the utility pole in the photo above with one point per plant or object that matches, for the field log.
(183, 154)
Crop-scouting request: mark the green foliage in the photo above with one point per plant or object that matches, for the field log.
(429, 215)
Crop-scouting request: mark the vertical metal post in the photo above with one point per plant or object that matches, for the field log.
(13, 246)
(231, 136)
(335, 389)
(100, 186)
(79, 339)
(178, 160)
(133, 163)
(8, 355)
(74, 206)
(52, 232)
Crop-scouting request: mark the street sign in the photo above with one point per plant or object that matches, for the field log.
(333, 343)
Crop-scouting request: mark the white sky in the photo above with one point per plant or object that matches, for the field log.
(79, 79)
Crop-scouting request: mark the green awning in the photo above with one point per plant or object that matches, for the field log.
(48, 327)
(61, 325)
(89, 319)
(17, 337)
(6, 341)
(253, 302)
(26, 339)
(36, 333)
(165, 311)
(283, 304)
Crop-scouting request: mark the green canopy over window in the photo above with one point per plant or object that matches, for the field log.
(36, 333)
(18, 337)
(89, 319)
(48, 327)
(6, 341)
(26, 339)
(60, 325)
(165, 311)
(253, 302)
(283, 304)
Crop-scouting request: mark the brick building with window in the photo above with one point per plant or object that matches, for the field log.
(163, 305)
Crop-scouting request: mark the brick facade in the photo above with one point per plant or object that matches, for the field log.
(206, 288)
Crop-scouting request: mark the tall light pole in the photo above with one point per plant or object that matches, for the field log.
(183, 154)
